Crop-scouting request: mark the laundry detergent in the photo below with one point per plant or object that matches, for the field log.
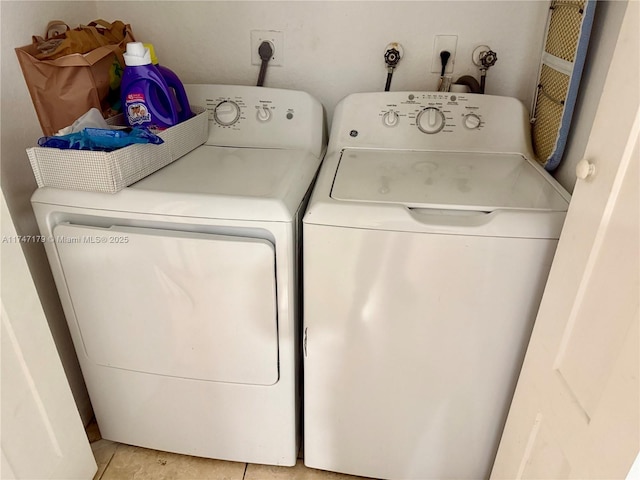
(175, 86)
(146, 97)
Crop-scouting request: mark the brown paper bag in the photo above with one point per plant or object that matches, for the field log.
(63, 85)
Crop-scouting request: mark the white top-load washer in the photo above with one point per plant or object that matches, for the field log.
(181, 291)
(427, 243)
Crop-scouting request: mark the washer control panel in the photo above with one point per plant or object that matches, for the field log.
(434, 113)
(431, 120)
(247, 116)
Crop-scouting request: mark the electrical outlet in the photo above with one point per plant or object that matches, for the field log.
(277, 43)
(442, 43)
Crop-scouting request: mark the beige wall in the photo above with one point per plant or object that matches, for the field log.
(333, 48)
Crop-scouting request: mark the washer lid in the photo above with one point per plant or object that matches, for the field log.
(445, 180)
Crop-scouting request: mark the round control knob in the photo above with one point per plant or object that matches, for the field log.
(226, 113)
(390, 119)
(584, 169)
(264, 114)
(471, 121)
(430, 120)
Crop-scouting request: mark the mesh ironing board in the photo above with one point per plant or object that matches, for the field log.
(565, 49)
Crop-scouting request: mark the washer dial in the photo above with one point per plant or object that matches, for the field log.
(471, 121)
(390, 118)
(430, 120)
(226, 113)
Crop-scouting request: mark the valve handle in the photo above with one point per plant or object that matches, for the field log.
(393, 53)
(392, 57)
(488, 58)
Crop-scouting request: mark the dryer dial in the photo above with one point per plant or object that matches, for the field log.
(263, 114)
(430, 120)
(226, 113)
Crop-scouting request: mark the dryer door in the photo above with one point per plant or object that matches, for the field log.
(182, 304)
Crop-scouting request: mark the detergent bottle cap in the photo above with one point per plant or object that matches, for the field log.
(137, 55)
(152, 52)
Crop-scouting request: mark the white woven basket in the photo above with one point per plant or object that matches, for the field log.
(110, 172)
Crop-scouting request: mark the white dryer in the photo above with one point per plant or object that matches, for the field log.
(181, 291)
(427, 244)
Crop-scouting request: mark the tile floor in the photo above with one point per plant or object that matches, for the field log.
(117, 461)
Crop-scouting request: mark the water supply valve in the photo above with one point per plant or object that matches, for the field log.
(484, 58)
(393, 53)
(488, 59)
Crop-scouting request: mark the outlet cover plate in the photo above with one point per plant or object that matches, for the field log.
(277, 41)
(441, 43)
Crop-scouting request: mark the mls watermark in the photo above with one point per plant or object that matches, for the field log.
(82, 239)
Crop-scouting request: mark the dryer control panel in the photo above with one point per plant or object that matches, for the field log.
(431, 120)
(258, 117)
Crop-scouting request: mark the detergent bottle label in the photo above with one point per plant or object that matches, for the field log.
(136, 108)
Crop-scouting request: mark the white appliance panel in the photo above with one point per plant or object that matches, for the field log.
(210, 182)
(264, 117)
(187, 305)
(359, 122)
(402, 376)
(448, 180)
(227, 171)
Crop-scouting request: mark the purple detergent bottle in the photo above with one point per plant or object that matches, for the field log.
(146, 98)
(175, 85)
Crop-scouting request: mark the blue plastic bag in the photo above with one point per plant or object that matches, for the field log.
(102, 140)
